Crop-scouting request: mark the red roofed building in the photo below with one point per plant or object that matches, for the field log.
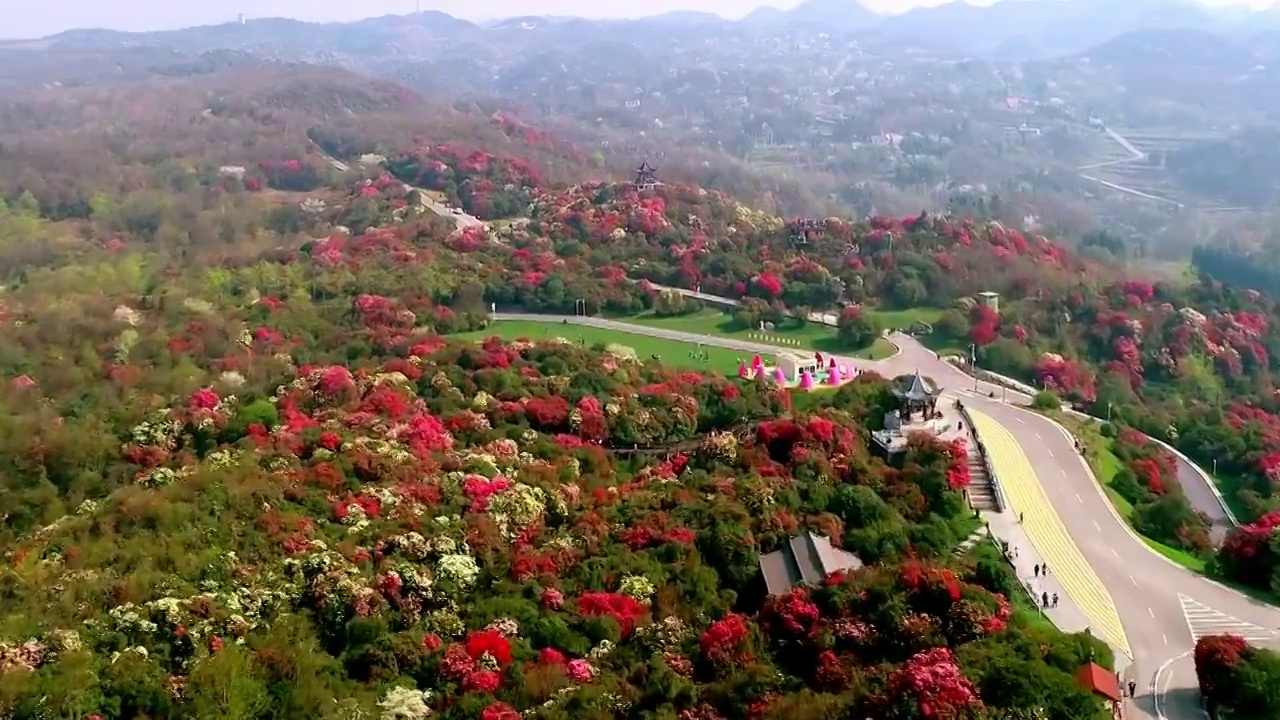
(1102, 683)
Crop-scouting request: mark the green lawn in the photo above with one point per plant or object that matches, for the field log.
(1106, 466)
(810, 336)
(904, 319)
(672, 352)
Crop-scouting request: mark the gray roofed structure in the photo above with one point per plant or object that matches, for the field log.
(915, 388)
(805, 558)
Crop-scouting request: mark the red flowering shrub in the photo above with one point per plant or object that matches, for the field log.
(790, 617)
(1216, 658)
(1248, 554)
(1148, 479)
(1064, 377)
(626, 610)
(933, 682)
(491, 643)
(499, 711)
(767, 285)
(482, 681)
(958, 469)
(722, 643)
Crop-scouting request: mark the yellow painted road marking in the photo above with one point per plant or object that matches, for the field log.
(1017, 477)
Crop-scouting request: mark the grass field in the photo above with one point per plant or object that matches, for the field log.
(904, 319)
(672, 352)
(811, 336)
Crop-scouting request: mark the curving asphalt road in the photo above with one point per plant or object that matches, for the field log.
(1202, 495)
(1147, 606)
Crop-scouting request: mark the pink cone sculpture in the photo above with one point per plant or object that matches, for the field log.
(832, 364)
(743, 372)
(806, 380)
(780, 377)
(757, 363)
(833, 377)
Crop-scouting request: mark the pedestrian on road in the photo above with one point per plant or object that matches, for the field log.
(1036, 571)
(1015, 552)
(1044, 599)
(1044, 569)
(1019, 518)
(1133, 689)
(1055, 600)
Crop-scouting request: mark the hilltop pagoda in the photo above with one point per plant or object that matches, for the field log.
(646, 176)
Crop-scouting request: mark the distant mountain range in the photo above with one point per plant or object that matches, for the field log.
(1011, 30)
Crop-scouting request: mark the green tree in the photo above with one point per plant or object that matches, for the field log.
(856, 329)
(224, 686)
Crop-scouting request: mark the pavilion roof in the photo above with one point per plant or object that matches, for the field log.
(915, 387)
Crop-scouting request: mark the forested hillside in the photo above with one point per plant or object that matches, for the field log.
(248, 474)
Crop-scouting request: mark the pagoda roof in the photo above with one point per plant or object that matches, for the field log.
(915, 387)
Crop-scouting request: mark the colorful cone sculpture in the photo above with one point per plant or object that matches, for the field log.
(756, 363)
(806, 380)
(743, 372)
(780, 377)
(832, 364)
(833, 377)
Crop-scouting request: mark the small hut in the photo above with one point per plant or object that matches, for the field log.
(796, 365)
(805, 559)
(1101, 683)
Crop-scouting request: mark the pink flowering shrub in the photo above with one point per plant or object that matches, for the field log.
(933, 682)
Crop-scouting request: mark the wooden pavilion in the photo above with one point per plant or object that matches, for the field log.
(916, 394)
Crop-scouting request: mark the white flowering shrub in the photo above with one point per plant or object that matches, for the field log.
(402, 703)
(638, 587)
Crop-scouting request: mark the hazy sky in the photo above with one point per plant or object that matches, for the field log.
(25, 20)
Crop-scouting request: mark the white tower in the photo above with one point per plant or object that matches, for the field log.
(241, 19)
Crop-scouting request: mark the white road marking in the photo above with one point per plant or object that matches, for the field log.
(1156, 692)
(1049, 451)
(1203, 620)
(1113, 552)
(1166, 639)
(1134, 581)
(1095, 524)
(1151, 612)
(1039, 438)
(1079, 499)
(1020, 420)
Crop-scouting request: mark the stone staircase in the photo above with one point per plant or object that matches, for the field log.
(982, 491)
